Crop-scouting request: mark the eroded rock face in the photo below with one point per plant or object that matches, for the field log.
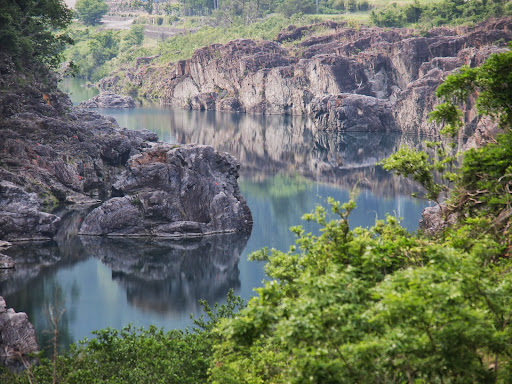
(109, 100)
(170, 191)
(21, 217)
(388, 74)
(434, 219)
(52, 154)
(17, 336)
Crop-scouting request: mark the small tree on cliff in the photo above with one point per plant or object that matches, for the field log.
(90, 12)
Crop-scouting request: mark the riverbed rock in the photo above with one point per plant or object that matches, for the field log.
(21, 217)
(17, 337)
(109, 100)
(390, 73)
(173, 191)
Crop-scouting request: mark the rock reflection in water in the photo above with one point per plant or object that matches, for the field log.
(169, 275)
(291, 145)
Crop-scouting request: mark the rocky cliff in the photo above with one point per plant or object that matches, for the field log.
(53, 156)
(365, 79)
(17, 337)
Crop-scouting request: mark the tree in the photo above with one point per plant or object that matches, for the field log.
(291, 7)
(382, 305)
(31, 31)
(133, 355)
(90, 12)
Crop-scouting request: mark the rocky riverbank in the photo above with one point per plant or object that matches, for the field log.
(346, 79)
(54, 158)
(17, 337)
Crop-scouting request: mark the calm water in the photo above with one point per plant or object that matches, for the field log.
(287, 169)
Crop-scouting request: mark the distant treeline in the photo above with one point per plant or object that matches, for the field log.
(444, 12)
(255, 8)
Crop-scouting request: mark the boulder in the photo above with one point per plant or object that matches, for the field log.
(108, 100)
(434, 219)
(173, 191)
(17, 337)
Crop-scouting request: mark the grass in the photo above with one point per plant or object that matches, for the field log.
(182, 47)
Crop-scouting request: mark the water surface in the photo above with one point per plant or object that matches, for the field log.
(287, 168)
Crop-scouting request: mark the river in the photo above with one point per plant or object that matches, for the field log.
(287, 168)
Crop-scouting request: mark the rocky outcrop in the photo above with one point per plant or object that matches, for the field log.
(436, 218)
(53, 155)
(348, 79)
(173, 191)
(17, 337)
(21, 216)
(108, 100)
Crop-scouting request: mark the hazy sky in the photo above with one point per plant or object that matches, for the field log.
(70, 3)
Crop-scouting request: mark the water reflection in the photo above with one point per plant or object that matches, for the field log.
(168, 275)
(287, 168)
(112, 282)
(266, 145)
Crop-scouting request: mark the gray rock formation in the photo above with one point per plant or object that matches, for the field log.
(434, 219)
(108, 100)
(369, 79)
(21, 217)
(173, 191)
(17, 336)
(52, 155)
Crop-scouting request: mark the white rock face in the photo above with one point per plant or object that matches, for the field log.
(396, 69)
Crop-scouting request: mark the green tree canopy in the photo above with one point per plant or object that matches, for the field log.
(90, 12)
(381, 305)
(30, 30)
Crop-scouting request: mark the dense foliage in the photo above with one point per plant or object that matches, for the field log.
(258, 8)
(94, 49)
(90, 12)
(440, 13)
(383, 305)
(96, 56)
(30, 30)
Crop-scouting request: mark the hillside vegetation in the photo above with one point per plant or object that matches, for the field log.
(195, 26)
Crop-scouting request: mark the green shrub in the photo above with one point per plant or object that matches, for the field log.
(90, 12)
